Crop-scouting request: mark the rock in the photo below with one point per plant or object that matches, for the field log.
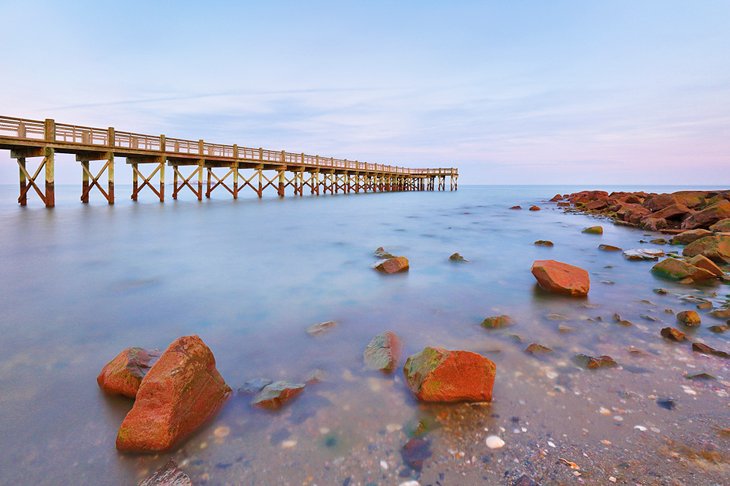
(168, 475)
(383, 352)
(700, 376)
(321, 328)
(276, 394)
(722, 226)
(673, 211)
(721, 313)
(254, 386)
(659, 241)
(716, 248)
(561, 278)
(701, 261)
(381, 253)
(708, 216)
(673, 269)
(597, 205)
(672, 334)
(653, 224)
(525, 480)
(123, 374)
(556, 198)
(496, 322)
(719, 329)
(593, 363)
(180, 392)
(643, 254)
(689, 318)
(687, 237)
(534, 208)
(543, 243)
(563, 204)
(393, 265)
(516, 207)
(705, 349)
(494, 442)
(659, 201)
(593, 230)
(691, 199)
(608, 248)
(415, 452)
(661, 291)
(456, 257)
(536, 348)
(440, 375)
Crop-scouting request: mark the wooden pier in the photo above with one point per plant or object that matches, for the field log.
(198, 166)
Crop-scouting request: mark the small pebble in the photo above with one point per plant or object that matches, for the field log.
(494, 442)
(288, 444)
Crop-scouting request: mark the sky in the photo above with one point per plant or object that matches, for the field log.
(510, 92)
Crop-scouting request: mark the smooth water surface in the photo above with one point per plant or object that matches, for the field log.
(80, 283)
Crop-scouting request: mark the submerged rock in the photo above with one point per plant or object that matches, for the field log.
(674, 269)
(721, 313)
(593, 363)
(123, 374)
(543, 243)
(321, 328)
(496, 322)
(168, 475)
(716, 248)
(415, 452)
(276, 394)
(672, 334)
(456, 257)
(383, 352)
(393, 265)
(254, 386)
(536, 348)
(705, 349)
(608, 248)
(561, 278)
(380, 252)
(593, 230)
(440, 375)
(689, 318)
(516, 207)
(719, 329)
(180, 392)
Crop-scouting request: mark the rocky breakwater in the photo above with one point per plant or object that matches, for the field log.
(179, 393)
(682, 210)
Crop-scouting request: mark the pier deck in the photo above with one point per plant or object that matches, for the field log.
(196, 165)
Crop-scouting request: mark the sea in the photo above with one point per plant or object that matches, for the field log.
(81, 282)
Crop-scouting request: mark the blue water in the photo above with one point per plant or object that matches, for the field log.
(81, 282)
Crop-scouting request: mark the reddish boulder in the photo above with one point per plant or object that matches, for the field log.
(440, 375)
(659, 201)
(672, 334)
(393, 265)
(722, 226)
(673, 212)
(534, 208)
(180, 392)
(708, 216)
(383, 352)
(715, 248)
(516, 207)
(689, 318)
(701, 261)
(691, 199)
(674, 269)
(556, 198)
(563, 204)
(123, 374)
(597, 205)
(561, 278)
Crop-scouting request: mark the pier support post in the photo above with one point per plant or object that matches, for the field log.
(260, 191)
(235, 180)
(50, 162)
(23, 199)
(282, 182)
(85, 182)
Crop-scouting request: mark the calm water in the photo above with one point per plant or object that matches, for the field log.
(80, 283)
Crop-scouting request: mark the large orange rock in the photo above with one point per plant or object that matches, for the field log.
(708, 216)
(123, 374)
(393, 265)
(440, 375)
(715, 248)
(180, 392)
(561, 278)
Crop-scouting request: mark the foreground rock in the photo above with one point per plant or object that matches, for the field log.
(708, 216)
(561, 278)
(705, 349)
(123, 374)
(608, 248)
(716, 248)
(687, 237)
(168, 475)
(643, 254)
(180, 393)
(275, 395)
(393, 265)
(672, 334)
(440, 375)
(722, 226)
(383, 352)
(593, 363)
(674, 269)
(701, 261)
(593, 230)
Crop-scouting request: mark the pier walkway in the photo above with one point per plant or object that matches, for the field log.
(195, 164)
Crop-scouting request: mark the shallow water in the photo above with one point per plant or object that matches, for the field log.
(80, 283)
